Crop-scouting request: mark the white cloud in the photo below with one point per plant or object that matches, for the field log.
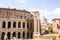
(22, 1)
(57, 10)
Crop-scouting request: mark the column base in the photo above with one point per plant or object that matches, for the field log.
(36, 36)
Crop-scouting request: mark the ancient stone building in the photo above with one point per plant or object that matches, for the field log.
(56, 25)
(16, 23)
(44, 25)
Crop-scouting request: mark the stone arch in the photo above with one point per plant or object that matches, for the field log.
(27, 35)
(3, 35)
(9, 35)
(23, 24)
(14, 34)
(19, 24)
(19, 35)
(3, 24)
(31, 35)
(27, 25)
(9, 24)
(23, 34)
(30, 25)
(14, 24)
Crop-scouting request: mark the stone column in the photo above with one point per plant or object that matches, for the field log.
(11, 24)
(36, 26)
(26, 30)
(0, 24)
(6, 24)
(21, 35)
(11, 35)
(16, 24)
(21, 25)
(16, 34)
(25, 35)
(21, 29)
(26, 25)
(0, 35)
(5, 37)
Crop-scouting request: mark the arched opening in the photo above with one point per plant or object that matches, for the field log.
(23, 24)
(3, 35)
(23, 34)
(8, 35)
(14, 34)
(14, 24)
(27, 35)
(30, 25)
(27, 25)
(3, 24)
(19, 24)
(46, 32)
(9, 24)
(19, 35)
(31, 35)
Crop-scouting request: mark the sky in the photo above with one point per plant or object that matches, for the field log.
(49, 9)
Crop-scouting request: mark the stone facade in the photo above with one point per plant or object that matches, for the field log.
(56, 25)
(44, 25)
(15, 23)
(18, 24)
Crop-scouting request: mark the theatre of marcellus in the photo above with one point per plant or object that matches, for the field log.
(18, 24)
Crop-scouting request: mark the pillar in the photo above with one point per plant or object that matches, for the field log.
(21, 34)
(0, 24)
(26, 26)
(21, 25)
(11, 24)
(38, 27)
(0, 35)
(6, 24)
(21, 29)
(25, 35)
(17, 35)
(26, 30)
(5, 37)
(11, 35)
(16, 24)
(36, 34)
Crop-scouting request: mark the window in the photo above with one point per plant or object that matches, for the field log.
(17, 16)
(19, 24)
(30, 25)
(10, 15)
(3, 24)
(4, 16)
(27, 25)
(58, 26)
(14, 24)
(24, 17)
(21, 17)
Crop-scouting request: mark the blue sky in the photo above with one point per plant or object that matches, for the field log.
(48, 8)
